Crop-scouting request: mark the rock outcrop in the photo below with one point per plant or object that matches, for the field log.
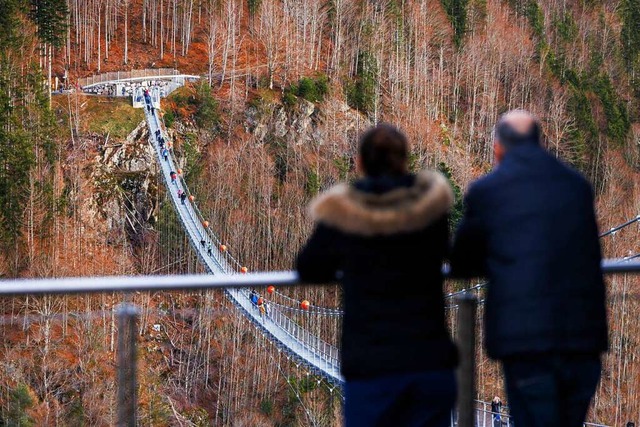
(302, 123)
(125, 179)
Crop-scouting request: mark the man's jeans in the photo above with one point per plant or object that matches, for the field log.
(549, 390)
(421, 399)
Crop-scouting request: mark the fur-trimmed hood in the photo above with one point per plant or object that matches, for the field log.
(401, 210)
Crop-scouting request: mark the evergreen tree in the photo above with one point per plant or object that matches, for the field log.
(630, 37)
(50, 17)
(457, 13)
(361, 94)
(15, 414)
(254, 6)
(9, 23)
(207, 115)
(26, 124)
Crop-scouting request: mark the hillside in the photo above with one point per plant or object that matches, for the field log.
(288, 86)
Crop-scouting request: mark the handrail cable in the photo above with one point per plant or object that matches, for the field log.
(613, 230)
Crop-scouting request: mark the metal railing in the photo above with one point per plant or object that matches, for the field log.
(81, 285)
(312, 342)
(469, 413)
(320, 349)
(126, 75)
(485, 417)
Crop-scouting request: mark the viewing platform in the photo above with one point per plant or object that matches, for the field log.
(160, 82)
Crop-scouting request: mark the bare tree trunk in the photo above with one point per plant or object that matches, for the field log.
(145, 5)
(126, 32)
(271, 34)
(161, 30)
(212, 41)
(49, 60)
(99, 27)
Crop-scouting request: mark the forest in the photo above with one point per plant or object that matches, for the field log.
(286, 86)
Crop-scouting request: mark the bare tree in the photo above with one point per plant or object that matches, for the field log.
(271, 34)
(212, 38)
(126, 31)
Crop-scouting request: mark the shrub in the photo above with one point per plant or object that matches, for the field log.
(312, 186)
(266, 407)
(254, 6)
(169, 118)
(307, 89)
(289, 99)
(344, 165)
(313, 89)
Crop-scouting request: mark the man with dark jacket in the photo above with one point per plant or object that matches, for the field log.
(530, 228)
(386, 236)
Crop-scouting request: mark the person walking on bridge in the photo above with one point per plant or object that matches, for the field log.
(253, 297)
(261, 308)
(530, 228)
(496, 411)
(385, 237)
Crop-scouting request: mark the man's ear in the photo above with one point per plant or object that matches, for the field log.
(498, 152)
(359, 168)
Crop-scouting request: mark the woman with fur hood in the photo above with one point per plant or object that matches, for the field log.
(385, 238)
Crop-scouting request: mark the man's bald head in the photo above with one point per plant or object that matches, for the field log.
(514, 129)
(517, 127)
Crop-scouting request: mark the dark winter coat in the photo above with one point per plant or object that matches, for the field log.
(530, 228)
(386, 239)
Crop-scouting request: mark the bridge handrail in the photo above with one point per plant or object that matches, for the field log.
(326, 350)
(74, 285)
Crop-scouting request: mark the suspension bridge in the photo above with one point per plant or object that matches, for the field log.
(318, 356)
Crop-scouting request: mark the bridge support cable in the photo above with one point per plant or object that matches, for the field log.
(615, 229)
(317, 355)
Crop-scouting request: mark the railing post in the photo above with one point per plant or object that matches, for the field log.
(484, 415)
(127, 384)
(466, 337)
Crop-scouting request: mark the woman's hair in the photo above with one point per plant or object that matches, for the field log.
(384, 151)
